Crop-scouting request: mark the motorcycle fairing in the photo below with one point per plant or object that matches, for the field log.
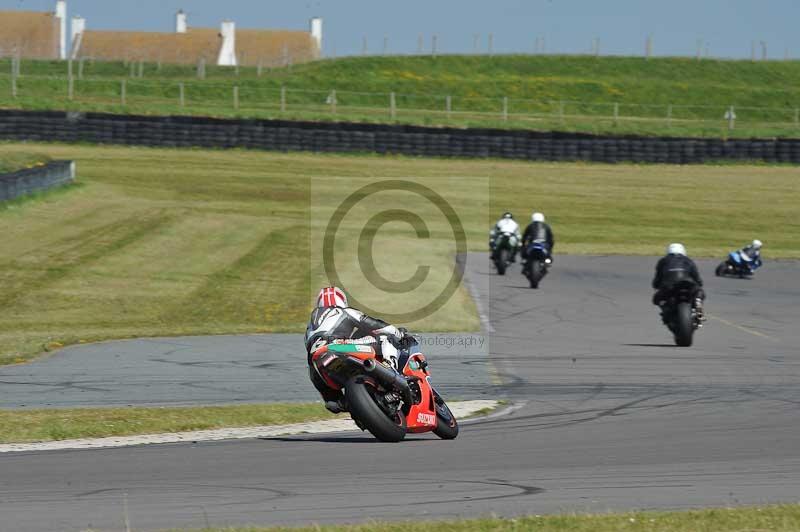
(421, 416)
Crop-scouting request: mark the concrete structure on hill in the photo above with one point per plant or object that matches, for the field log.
(34, 35)
(228, 46)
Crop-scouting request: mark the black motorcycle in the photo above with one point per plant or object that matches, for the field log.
(537, 263)
(504, 249)
(679, 312)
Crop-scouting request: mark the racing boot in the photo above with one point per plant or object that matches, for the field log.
(701, 313)
(336, 407)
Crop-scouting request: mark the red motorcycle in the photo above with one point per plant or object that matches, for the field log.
(380, 399)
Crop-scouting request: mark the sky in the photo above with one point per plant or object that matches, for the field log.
(723, 28)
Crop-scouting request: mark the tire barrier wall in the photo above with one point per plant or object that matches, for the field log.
(280, 135)
(24, 182)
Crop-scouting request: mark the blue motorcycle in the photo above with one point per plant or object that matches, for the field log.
(537, 262)
(738, 264)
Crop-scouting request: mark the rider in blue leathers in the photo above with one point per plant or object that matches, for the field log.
(751, 255)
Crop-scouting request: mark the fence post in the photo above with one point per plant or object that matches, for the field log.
(70, 80)
(14, 74)
(731, 118)
(669, 115)
(616, 113)
(283, 98)
(181, 95)
(333, 101)
(448, 105)
(392, 106)
(80, 68)
(505, 108)
(236, 97)
(260, 67)
(201, 68)
(122, 92)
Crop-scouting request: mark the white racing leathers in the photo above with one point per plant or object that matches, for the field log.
(504, 225)
(338, 323)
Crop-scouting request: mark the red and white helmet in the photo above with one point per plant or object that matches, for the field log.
(331, 296)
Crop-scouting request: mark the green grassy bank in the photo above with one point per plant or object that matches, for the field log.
(174, 242)
(669, 96)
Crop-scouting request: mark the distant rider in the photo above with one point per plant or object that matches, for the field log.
(333, 320)
(506, 224)
(751, 254)
(674, 267)
(540, 233)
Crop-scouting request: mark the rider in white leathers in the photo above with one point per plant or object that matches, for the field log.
(333, 320)
(506, 224)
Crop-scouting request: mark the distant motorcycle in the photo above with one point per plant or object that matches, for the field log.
(737, 264)
(538, 262)
(382, 400)
(504, 247)
(679, 312)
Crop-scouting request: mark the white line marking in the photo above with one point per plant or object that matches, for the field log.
(459, 409)
(742, 328)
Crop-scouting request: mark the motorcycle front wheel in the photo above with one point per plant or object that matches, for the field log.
(446, 424)
(721, 269)
(363, 406)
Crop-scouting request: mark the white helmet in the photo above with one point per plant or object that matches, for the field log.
(756, 244)
(676, 249)
(537, 217)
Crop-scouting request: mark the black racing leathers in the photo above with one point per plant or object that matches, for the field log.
(337, 323)
(672, 269)
(537, 232)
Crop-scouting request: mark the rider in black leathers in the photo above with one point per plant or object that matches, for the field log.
(333, 320)
(674, 267)
(537, 231)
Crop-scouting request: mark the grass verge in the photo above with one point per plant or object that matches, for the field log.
(19, 426)
(618, 95)
(13, 161)
(777, 518)
(165, 242)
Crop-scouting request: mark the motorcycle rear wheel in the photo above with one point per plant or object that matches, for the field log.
(502, 261)
(368, 414)
(683, 325)
(535, 273)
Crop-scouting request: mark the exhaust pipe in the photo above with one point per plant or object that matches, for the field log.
(388, 378)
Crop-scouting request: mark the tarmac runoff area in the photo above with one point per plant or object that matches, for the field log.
(607, 415)
(213, 370)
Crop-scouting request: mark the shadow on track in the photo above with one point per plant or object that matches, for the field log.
(672, 346)
(340, 439)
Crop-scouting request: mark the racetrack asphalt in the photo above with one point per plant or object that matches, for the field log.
(609, 416)
(210, 370)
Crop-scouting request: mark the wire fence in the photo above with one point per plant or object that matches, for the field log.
(266, 98)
